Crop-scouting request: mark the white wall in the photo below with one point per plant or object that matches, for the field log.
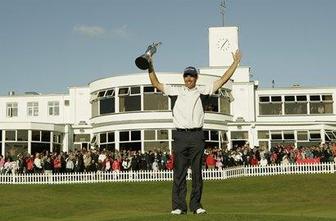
(43, 115)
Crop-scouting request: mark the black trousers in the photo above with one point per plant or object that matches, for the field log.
(188, 150)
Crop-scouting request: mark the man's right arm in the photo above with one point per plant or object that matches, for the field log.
(153, 78)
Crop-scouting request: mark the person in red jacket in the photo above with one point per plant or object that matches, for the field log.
(211, 161)
(170, 163)
(116, 164)
(30, 164)
(254, 161)
(57, 164)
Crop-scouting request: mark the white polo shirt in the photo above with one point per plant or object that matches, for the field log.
(188, 110)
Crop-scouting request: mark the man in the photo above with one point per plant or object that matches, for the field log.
(188, 145)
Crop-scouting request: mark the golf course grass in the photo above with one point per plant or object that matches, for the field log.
(274, 198)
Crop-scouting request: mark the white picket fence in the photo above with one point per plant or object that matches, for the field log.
(165, 175)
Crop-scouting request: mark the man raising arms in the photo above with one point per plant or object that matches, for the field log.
(188, 145)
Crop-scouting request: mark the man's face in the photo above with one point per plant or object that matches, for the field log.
(190, 81)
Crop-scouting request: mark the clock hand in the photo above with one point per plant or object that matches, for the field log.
(224, 43)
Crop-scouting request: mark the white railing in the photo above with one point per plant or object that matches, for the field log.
(165, 175)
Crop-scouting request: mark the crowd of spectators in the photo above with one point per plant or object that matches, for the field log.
(278, 154)
(84, 160)
(93, 160)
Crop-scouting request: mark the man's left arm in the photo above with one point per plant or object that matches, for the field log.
(229, 72)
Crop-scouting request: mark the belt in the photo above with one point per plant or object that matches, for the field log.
(189, 129)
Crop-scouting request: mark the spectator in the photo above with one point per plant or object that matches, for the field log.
(70, 164)
(263, 161)
(57, 163)
(30, 164)
(210, 161)
(116, 165)
(2, 163)
(254, 161)
(38, 163)
(47, 165)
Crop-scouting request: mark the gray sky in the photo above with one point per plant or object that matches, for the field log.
(47, 46)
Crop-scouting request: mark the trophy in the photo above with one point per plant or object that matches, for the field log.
(142, 61)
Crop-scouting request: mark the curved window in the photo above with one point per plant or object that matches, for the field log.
(103, 102)
(154, 100)
(218, 103)
(107, 141)
(215, 138)
(130, 140)
(156, 140)
(129, 99)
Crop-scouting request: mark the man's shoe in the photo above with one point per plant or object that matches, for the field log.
(177, 212)
(200, 211)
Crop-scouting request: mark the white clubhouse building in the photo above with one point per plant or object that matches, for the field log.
(125, 112)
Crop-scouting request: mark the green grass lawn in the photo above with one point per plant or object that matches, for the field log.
(292, 197)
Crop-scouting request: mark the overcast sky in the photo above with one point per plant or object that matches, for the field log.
(47, 46)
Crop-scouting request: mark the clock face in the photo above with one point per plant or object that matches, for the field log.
(223, 44)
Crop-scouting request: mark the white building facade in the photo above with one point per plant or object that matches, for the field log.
(126, 112)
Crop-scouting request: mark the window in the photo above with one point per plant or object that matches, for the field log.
(314, 135)
(10, 135)
(36, 135)
(156, 140)
(12, 109)
(276, 135)
(32, 109)
(321, 104)
(45, 136)
(239, 135)
(134, 135)
(103, 138)
(124, 136)
(210, 103)
(129, 99)
(270, 105)
(302, 135)
(107, 105)
(41, 136)
(94, 108)
(22, 135)
(107, 141)
(225, 100)
(103, 102)
(154, 100)
(296, 105)
(162, 134)
(81, 138)
(263, 134)
(264, 99)
(53, 108)
(288, 135)
(66, 102)
(130, 140)
(329, 136)
(107, 101)
(149, 134)
(57, 138)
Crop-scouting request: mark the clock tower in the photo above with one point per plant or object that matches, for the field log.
(222, 42)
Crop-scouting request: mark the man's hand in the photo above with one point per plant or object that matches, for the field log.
(236, 56)
(229, 72)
